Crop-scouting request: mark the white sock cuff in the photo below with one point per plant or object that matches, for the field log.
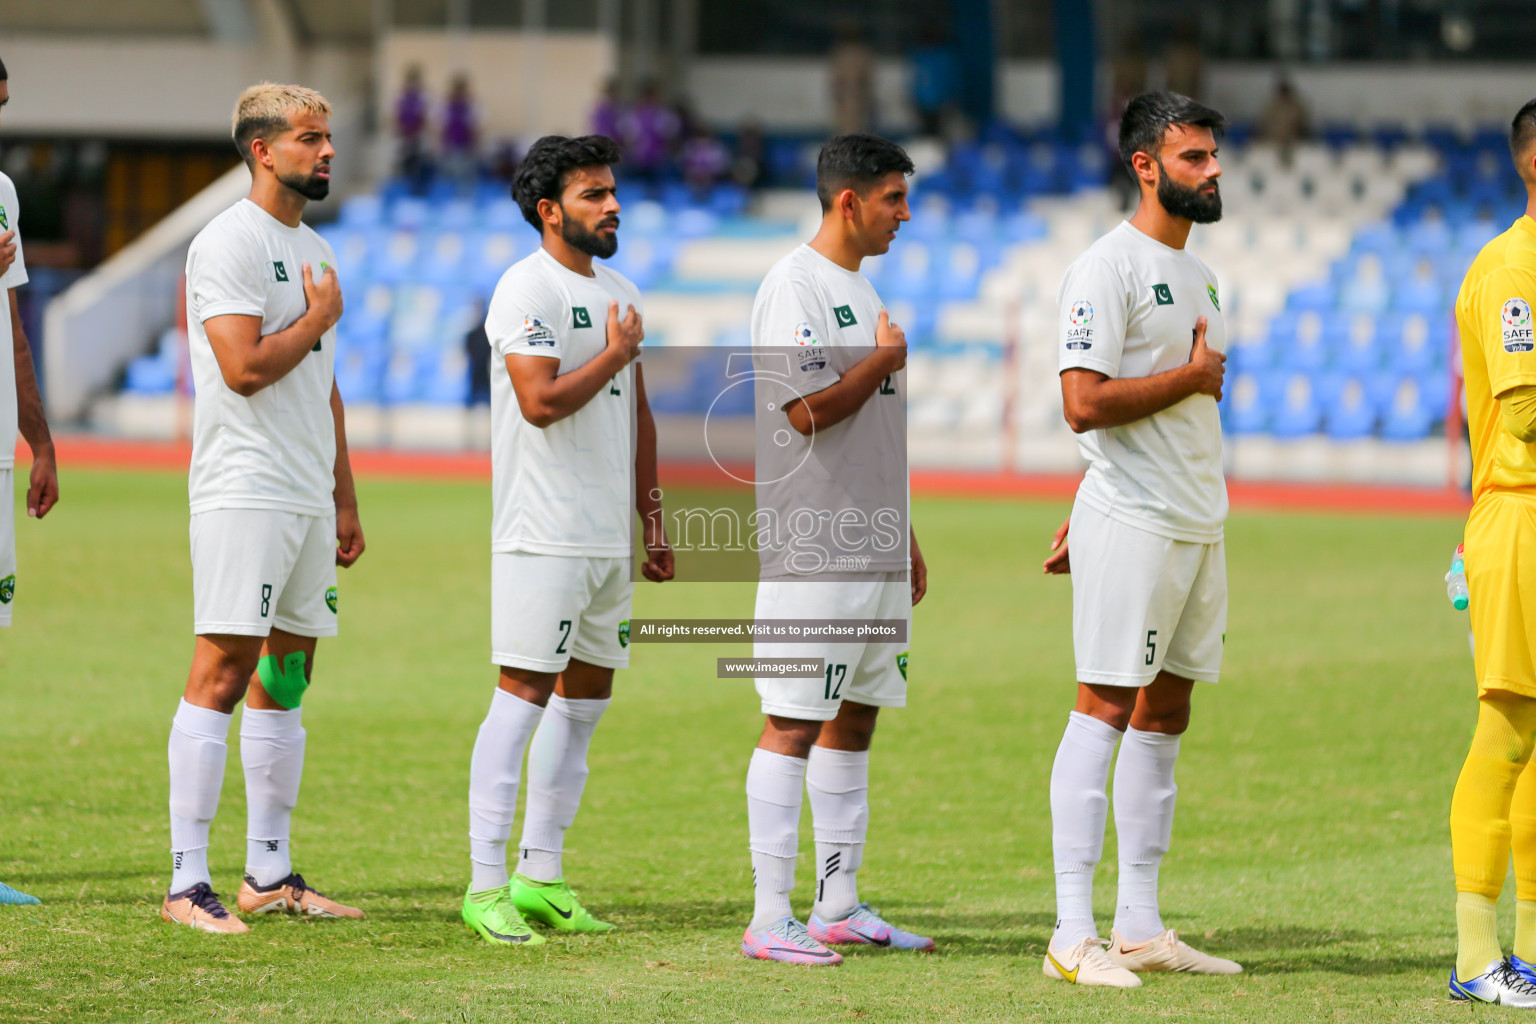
(767, 763)
(547, 839)
(1088, 730)
(838, 771)
(271, 724)
(513, 709)
(588, 711)
(203, 723)
(1158, 744)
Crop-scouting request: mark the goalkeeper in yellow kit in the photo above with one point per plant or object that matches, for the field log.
(1494, 806)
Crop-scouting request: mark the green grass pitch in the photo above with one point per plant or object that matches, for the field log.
(1310, 842)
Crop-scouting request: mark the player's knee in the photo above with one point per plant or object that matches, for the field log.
(220, 685)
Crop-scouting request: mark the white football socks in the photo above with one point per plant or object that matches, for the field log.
(1144, 798)
(197, 750)
(272, 754)
(495, 769)
(775, 783)
(838, 784)
(1079, 808)
(557, 774)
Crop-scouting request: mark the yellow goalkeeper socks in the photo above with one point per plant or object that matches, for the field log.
(1477, 938)
(1522, 822)
(1525, 930)
(1480, 822)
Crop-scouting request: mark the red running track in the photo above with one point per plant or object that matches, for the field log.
(107, 453)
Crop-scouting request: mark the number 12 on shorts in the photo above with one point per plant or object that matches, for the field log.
(835, 677)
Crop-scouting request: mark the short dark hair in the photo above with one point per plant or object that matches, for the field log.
(1522, 132)
(543, 171)
(1148, 117)
(856, 162)
(4, 75)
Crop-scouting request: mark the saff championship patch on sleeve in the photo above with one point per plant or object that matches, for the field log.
(1516, 316)
(537, 332)
(1080, 333)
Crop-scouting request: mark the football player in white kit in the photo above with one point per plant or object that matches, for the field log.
(1140, 354)
(273, 506)
(573, 458)
(21, 409)
(818, 731)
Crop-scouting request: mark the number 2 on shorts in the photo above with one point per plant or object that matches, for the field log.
(834, 689)
(565, 634)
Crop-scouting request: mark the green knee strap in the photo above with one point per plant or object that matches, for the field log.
(284, 683)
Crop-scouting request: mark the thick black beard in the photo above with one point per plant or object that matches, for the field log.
(590, 242)
(310, 187)
(1188, 203)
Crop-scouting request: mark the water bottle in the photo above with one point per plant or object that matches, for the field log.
(1456, 581)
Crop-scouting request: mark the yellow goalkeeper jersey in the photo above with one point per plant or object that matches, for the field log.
(1498, 353)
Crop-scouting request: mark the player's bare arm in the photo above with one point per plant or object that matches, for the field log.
(43, 490)
(250, 360)
(547, 396)
(349, 528)
(919, 570)
(7, 250)
(832, 405)
(658, 567)
(1093, 401)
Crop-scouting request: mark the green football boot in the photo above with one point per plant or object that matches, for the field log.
(493, 916)
(554, 904)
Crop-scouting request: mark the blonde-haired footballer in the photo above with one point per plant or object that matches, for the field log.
(273, 507)
(1494, 804)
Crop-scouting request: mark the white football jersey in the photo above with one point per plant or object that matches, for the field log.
(15, 277)
(568, 488)
(277, 448)
(1128, 309)
(811, 322)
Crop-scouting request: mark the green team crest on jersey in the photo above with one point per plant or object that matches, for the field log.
(624, 633)
(5, 220)
(1210, 290)
(331, 595)
(901, 663)
(8, 589)
(580, 317)
(844, 316)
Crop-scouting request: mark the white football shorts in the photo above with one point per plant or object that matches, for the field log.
(7, 544)
(1142, 603)
(548, 609)
(254, 569)
(865, 673)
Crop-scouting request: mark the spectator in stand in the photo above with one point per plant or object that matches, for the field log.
(747, 163)
(460, 132)
(705, 160)
(649, 131)
(411, 126)
(852, 66)
(1185, 64)
(477, 350)
(609, 112)
(1284, 120)
(935, 79)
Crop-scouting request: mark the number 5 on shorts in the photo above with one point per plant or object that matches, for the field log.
(1151, 646)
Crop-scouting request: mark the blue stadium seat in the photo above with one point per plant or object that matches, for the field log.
(1408, 416)
(1349, 412)
(490, 255)
(394, 262)
(363, 211)
(503, 215)
(1307, 350)
(157, 372)
(442, 258)
(1315, 297)
(1356, 348)
(1296, 413)
(1244, 405)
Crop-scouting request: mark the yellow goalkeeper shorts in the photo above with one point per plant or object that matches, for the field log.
(1500, 556)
